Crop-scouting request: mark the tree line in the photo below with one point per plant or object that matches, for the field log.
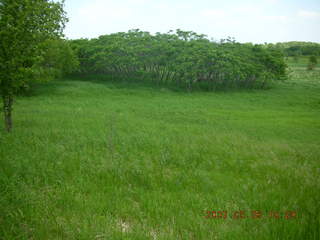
(297, 49)
(181, 58)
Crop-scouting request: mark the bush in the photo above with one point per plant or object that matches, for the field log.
(312, 62)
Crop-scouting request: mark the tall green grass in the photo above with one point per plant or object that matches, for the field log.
(100, 160)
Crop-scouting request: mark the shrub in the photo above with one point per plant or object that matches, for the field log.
(312, 62)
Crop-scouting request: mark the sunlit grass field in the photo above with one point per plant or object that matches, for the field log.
(100, 160)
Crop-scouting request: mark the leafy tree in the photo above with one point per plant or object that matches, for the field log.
(25, 25)
(313, 59)
(58, 58)
(312, 62)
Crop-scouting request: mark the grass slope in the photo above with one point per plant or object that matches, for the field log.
(94, 160)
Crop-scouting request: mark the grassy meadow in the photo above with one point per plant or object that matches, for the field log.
(89, 159)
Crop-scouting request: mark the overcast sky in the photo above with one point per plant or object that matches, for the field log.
(255, 21)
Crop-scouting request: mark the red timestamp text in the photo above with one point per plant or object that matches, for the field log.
(253, 214)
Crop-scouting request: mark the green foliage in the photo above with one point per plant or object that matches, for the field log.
(313, 59)
(299, 48)
(183, 58)
(58, 57)
(296, 58)
(312, 62)
(24, 27)
(82, 50)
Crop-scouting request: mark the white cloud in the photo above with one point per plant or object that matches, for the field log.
(308, 14)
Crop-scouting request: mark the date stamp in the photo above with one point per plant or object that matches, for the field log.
(253, 214)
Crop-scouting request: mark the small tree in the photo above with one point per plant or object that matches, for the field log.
(312, 62)
(24, 26)
(296, 58)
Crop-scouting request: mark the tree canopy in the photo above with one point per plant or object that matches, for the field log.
(183, 58)
(24, 27)
(295, 48)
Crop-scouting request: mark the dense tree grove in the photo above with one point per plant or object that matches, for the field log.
(182, 58)
(57, 58)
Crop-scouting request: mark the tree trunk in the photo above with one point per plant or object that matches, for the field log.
(7, 110)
